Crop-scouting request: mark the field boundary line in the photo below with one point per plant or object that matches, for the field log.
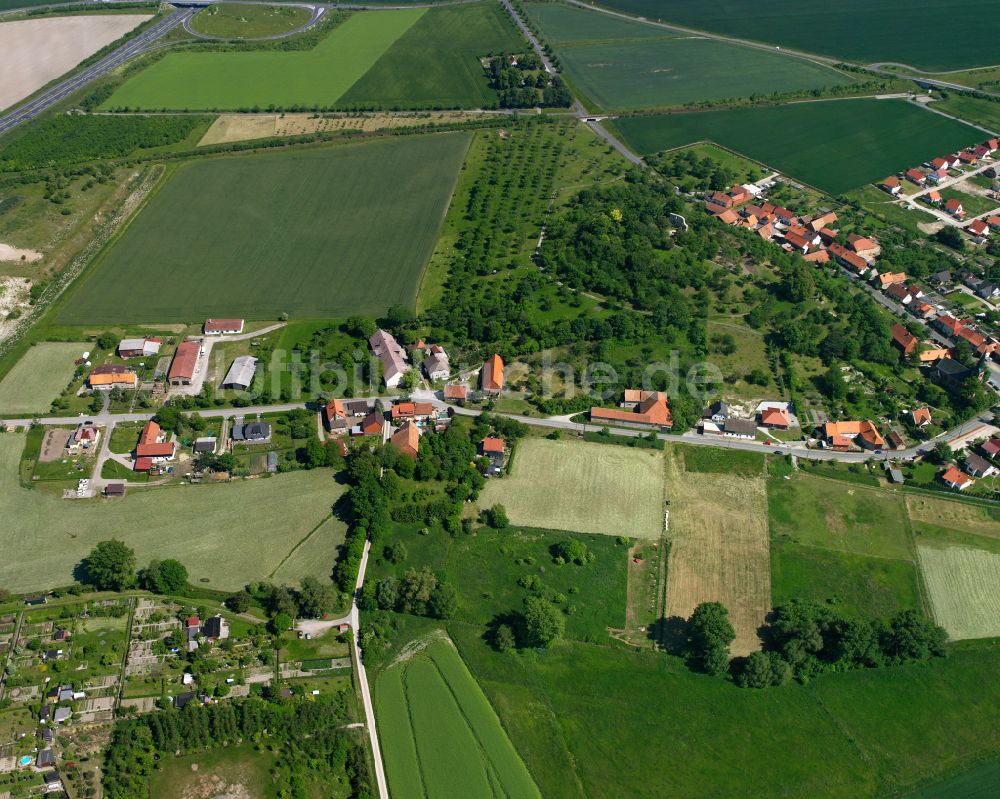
(845, 551)
(923, 588)
(842, 729)
(295, 548)
(404, 680)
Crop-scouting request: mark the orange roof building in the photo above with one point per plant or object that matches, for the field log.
(651, 411)
(840, 435)
(150, 445)
(775, 417)
(903, 338)
(492, 445)
(407, 440)
(103, 380)
(921, 416)
(956, 478)
(492, 375)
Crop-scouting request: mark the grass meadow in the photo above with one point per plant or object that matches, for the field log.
(435, 63)
(233, 20)
(964, 588)
(225, 534)
(439, 735)
(318, 233)
(485, 569)
(242, 770)
(978, 782)
(834, 145)
(234, 80)
(589, 488)
(38, 377)
(855, 30)
(626, 67)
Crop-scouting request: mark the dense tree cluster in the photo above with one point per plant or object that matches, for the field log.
(419, 592)
(522, 82)
(310, 736)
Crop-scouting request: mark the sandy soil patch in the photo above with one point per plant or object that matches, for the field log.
(36, 51)
(9, 253)
(13, 297)
(964, 588)
(54, 444)
(241, 127)
(720, 550)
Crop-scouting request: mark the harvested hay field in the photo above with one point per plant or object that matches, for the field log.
(243, 127)
(964, 588)
(719, 548)
(36, 51)
(959, 516)
(582, 487)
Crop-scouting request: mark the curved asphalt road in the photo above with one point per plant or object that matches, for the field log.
(133, 47)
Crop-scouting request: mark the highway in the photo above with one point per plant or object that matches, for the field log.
(133, 47)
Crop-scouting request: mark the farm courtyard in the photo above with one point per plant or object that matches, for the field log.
(582, 487)
(315, 234)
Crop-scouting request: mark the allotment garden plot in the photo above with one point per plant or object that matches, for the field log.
(319, 233)
(590, 488)
(834, 145)
(38, 377)
(439, 734)
(228, 534)
(964, 588)
(627, 67)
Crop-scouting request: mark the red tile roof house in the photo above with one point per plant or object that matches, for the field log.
(937, 175)
(183, 366)
(865, 247)
(933, 196)
(456, 392)
(223, 327)
(991, 145)
(823, 221)
(817, 256)
(954, 207)
(948, 324)
(886, 279)
(952, 161)
(991, 447)
(411, 410)
(728, 217)
(840, 435)
(939, 163)
(492, 448)
(977, 228)
(921, 416)
(916, 176)
(903, 338)
(492, 377)
(336, 415)
(796, 242)
(785, 216)
(721, 199)
(775, 418)
(955, 478)
(892, 185)
(849, 260)
(967, 157)
(407, 440)
(651, 412)
(151, 449)
(993, 222)
(899, 292)
(981, 151)
(373, 423)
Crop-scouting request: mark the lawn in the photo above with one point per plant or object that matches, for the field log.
(238, 21)
(226, 534)
(855, 586)
(837, 516)
(237, 770)
(235, 80)
(439, 734)
(436, 62)
(716, 460)
(589, 488)
(856, 30)
(964, 588)
(972, 204)
(843, 736)
(318, 233)
(626, 68)
(38, 377)
(834, 145)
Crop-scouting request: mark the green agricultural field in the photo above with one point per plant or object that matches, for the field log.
(591, 488)
(978, 782)
(854, 586)
(964, 588)
(439, 734)
(834, 145)
(436, 62)
(411, 57)
(858, 735)
(238, 21)
(856, 30)
(316, 234)
(38, 377)
(838, 516)
(975, 109)
(626, 68)
(227, 534)
(234, 80)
